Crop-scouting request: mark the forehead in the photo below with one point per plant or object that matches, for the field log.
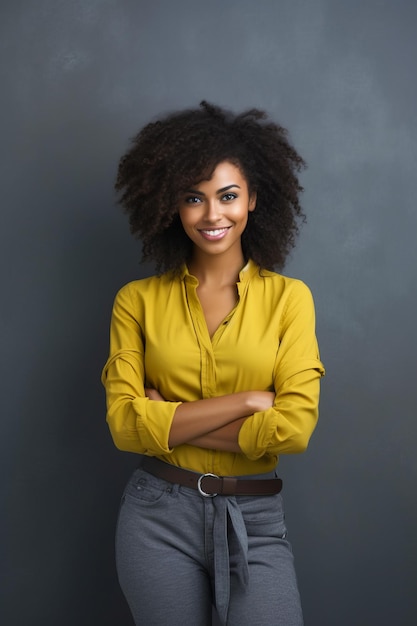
(224, 174)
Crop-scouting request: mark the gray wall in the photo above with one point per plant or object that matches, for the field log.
(78, 79)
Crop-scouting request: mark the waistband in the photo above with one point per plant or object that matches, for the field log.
(210, 485)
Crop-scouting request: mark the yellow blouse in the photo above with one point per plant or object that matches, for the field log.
(159, 339)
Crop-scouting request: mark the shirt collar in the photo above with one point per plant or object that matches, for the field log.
(245, 273)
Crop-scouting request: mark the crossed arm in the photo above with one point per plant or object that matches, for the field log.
(214, 423)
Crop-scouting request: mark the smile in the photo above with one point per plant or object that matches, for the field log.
(214, 233)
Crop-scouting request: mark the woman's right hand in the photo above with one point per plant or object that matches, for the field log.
(153, 394)
(260, 400)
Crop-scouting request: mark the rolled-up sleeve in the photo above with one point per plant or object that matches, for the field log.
(137, 424)
(288, 425)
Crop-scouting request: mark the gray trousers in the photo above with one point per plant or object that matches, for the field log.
(179, 553)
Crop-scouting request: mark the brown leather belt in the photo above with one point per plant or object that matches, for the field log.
(210, 485)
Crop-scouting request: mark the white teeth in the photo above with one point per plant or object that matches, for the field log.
(214, 233)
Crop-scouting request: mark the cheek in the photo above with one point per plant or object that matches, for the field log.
(240, 215)
(184, 217)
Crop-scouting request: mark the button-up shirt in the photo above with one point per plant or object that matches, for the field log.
(159, 339)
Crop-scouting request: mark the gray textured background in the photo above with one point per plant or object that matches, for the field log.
(77, 80)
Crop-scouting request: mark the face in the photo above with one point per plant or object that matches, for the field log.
(214, 212)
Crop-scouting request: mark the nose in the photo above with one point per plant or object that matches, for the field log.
(213, 210)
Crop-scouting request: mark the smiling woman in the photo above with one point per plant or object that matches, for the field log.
(216, 212)
(180, 152)
(213, 371)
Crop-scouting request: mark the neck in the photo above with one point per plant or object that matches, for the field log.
(216, 269)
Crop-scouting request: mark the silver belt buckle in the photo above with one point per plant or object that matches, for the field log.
(201, 491)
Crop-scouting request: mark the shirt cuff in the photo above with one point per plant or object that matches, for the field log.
(153, 423)
(254, 437)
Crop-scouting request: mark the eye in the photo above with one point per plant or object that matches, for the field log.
(192, 200)
(229, 196)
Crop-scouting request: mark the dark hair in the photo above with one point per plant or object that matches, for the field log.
(170, 155)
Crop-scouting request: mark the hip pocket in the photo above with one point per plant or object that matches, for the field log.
(263, 515)
(145, 489)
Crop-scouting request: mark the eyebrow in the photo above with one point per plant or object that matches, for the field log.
(222, 190)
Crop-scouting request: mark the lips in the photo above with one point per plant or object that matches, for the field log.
(214, 234)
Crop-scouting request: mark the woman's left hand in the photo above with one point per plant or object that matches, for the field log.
(153, 394)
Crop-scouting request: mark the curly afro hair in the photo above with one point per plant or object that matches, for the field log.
(169, 156)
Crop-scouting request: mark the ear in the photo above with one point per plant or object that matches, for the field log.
(252, 201)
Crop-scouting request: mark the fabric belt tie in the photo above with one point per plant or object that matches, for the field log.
(232, 541)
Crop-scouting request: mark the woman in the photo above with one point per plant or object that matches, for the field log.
(213, 371)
